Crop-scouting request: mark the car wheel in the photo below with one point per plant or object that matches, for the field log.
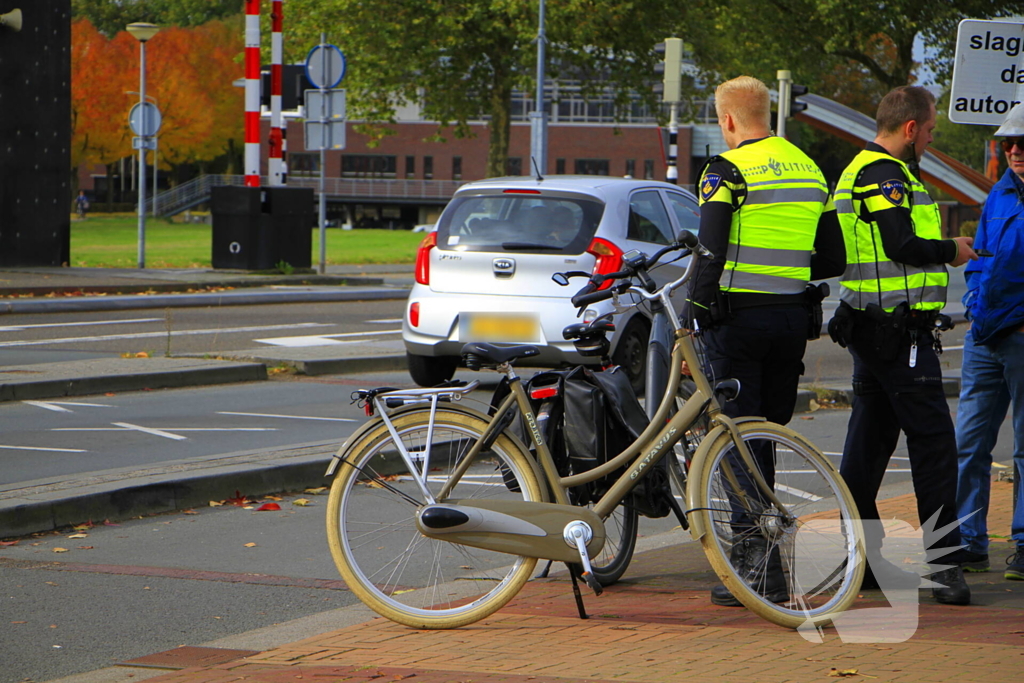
(429, 371)
(631, 353)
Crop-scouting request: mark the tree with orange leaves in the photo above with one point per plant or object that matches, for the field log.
(189, 76)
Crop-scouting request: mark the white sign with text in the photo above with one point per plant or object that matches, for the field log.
(988, 73)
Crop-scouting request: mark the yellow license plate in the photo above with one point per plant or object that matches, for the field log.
(494, 327)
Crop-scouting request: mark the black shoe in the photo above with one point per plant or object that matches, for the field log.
(1015, 565)
(891, 575)
(954, 590)
(974, 562)
(758, 568)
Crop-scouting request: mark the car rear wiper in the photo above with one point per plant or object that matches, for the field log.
(515, 246)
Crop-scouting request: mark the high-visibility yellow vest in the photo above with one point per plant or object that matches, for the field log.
(778, 198)
(871, 277)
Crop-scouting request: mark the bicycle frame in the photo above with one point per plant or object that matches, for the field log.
(653, 444)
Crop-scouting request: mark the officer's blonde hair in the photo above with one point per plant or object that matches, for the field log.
(747, 99)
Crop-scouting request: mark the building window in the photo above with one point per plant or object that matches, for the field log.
(592, 167)
(428, 167)
(560, 166)
(631, 168)
(514, 166)
(303, 164)
(648, 169)
(410, 167)
(368, 166)
(456, 168)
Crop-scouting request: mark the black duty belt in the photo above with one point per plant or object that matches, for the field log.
(738, 300)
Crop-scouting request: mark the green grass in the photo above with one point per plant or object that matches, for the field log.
(111, 241)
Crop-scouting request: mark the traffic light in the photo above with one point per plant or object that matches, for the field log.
(796, 91)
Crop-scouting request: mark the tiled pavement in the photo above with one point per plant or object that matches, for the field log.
(657, 625)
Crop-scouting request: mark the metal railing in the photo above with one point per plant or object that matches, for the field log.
(197, 191)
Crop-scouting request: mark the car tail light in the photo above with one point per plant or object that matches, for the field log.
(414, 314)
(609, 258)
(423, 258)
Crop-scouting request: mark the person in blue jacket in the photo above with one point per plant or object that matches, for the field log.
(993, 362)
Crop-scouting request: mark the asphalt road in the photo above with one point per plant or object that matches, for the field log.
(43, 338)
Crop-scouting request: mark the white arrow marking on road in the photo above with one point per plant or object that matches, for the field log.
(165, 433)
(39, 448)
(56, 405)
(291, 417)
(323, 339)
(21, 328)
(151, 335)
(48, 406)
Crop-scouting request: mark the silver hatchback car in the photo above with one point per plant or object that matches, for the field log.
(485, 273)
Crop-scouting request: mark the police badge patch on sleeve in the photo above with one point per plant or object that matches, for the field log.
(894, 191)
(710, 185)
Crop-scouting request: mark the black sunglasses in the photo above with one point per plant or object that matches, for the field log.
(1008, 143)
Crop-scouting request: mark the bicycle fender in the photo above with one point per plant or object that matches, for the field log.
(377, 422)
(700, 458)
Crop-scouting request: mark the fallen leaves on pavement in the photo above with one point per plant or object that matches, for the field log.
(301, 502)
(268, 507)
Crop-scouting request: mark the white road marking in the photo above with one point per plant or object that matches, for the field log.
(167, 432)
(323, 339)
(55, 406)
(839, 455)
(39, 448)
(953, 348)
(798, 493)
(152, 335)
(291, 417)
(47, 406)
(388, 321)
(20, 328)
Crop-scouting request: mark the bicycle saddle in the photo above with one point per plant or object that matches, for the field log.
(477, 354)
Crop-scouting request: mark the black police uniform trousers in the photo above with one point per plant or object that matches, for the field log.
(890, 396)
(762, 347)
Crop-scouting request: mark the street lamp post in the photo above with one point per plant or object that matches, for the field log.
(142, 32)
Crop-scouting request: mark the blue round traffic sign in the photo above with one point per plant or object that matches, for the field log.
(325, 66)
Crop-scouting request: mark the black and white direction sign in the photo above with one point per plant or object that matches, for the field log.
(988, 73)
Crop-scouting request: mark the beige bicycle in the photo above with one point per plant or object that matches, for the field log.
(438, 513)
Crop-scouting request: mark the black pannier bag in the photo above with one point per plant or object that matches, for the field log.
(587, 418)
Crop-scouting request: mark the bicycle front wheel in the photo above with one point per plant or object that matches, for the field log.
(399, 573)
(794, 567)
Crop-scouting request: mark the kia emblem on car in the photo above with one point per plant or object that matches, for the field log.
(504, 267)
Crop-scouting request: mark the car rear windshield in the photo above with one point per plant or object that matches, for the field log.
(519, 223)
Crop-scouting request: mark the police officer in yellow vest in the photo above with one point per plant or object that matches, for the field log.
(892, 292)
(767, 217)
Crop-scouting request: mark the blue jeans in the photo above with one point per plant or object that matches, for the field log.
(993, 378)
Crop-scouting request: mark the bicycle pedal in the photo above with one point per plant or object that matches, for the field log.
(593, 583)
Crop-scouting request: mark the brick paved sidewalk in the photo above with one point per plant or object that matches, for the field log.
(658, 625)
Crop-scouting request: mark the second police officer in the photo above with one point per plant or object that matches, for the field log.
(892, 292)
(767, 217)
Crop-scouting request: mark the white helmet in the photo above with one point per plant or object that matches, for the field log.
(1014, 123)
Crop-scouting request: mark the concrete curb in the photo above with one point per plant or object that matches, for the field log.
(185, 286)
(195, 373)
(121, 494)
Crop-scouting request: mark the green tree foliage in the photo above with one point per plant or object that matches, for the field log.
(111, 16)
(461, 59)
(814, 38)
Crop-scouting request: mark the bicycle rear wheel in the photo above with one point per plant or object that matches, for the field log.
(819, 544)
(620, 541)
(399, 573)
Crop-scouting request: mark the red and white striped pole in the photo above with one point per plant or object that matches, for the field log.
(252, 93)
(276, 165)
